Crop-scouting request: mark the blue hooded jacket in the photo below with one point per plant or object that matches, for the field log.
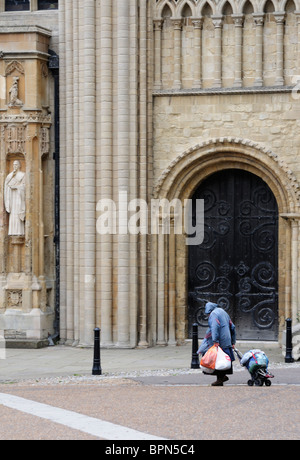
(220, 328)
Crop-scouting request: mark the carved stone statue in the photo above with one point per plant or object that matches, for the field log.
(14, 94)
(14, 197)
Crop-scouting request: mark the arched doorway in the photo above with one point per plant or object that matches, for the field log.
(169, 273)
(236, 266)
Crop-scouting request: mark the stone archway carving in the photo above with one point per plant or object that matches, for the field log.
(180, 180)
(242, 151)
(12, 66)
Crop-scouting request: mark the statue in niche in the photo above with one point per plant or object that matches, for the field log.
(14, 198)
(14, 93)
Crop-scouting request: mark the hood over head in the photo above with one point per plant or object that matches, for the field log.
(209, 307)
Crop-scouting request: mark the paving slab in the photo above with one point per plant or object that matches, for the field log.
(62, 360)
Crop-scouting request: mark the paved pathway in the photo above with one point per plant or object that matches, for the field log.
(147, 412)
(149, 394)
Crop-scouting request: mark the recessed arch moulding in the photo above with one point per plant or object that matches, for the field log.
(225, 44)
(181, 179)
(177, 8)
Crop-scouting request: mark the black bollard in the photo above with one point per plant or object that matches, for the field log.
(97, 365)
(195, 357)
(289, 346)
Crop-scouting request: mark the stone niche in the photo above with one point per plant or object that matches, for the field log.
(26, 318)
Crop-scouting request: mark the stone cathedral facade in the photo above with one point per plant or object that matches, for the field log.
(132, 101)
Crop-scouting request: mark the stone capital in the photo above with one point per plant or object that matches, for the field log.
(297, 14)
(217, 21)
(259, 19)
(197, 22)
(157, 24)
(279, 17)
(177, 23)
(238, 20)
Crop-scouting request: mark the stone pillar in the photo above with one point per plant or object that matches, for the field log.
(157, 52)
(89, 107)
(280, 19)
(288, 263)
(62, 175)
(292, 285)
(218, 24)
(106, 143)
(294, 267)
(172, 285)
(141, 270)
(69, 173)
(259, 25)
(238, 20)
(297, 13)
(76, 106)
(123, 170)
(177, 25)
(161, 288)
(26, 317)
(198, 24)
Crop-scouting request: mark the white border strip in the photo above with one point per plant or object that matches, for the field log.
(84, 423)
(2, 347)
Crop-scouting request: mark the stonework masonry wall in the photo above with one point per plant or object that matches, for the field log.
(26, 188)
(28, 284)
(156, 95)
(225, 44)
(104, 125)
(145, 82)
(269, 119)
(224, 78)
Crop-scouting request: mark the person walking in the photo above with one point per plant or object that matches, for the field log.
(221, 332)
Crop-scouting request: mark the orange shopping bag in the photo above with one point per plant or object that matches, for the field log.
(209, 359)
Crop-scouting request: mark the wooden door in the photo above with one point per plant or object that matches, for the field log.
(237, 264)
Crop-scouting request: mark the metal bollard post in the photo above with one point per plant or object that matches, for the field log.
(289, 346)
(195, 357)
(97, 365)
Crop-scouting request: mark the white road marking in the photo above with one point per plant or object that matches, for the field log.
(90, 425)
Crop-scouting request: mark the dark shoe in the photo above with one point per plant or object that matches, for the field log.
(217, 383)
(225, 378)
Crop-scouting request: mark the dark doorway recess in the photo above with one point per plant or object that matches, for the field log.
(237, 264)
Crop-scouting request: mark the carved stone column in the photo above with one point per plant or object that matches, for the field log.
(297, 13)
(259, 25)
(218, 25)
(177, 25)
(107, 167)
(69, 213)
(198, 24)
(157, 52)
(280, 20)
(172, 285)
(238, 20)
(161, 340)
(142, 154)
(89, 107)
(123, 69)
(294, 263)
(26, 317)
(292, 287)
